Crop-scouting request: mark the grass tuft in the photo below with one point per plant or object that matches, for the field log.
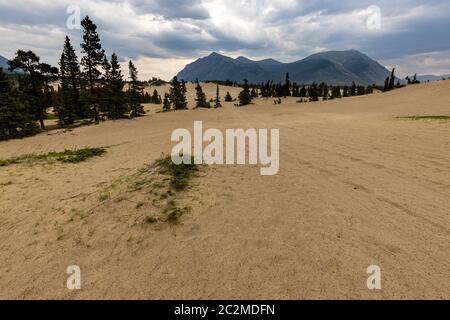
(180, 174)
(67, 156)
(151, 220)
(426, 117)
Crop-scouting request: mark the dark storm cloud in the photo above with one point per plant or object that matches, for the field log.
(185, 29)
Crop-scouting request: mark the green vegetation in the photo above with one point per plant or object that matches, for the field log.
(151, 220)
(245, 96)
(180, 174)
(67, 156)
(200, 97)
(426, 117)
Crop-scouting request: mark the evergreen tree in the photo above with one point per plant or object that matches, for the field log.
(335, 92)
(325, 92)
(93, 58)
(345, 92)
(392, 80)
(353, 90)
(113, 102)
(200, 97)
(183, 87)
(34, 86)
(245, 96)
(15, 122)
(70, 105)
(135, 89)
(313, 93)
(386, 85)
(254, 93)
(177, 95)
(287, 86)
(303, 92)
(228, 97)
(155, 98)
(217, 103)
(166, 103)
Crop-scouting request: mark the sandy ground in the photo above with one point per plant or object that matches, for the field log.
(356, 187)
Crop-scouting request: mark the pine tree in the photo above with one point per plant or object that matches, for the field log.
(386, 85)
(345, 92)
(287, 86)
(155, 98)
(245, 96)
(217, 103)
(166, 103)
(135, 92)
(15, 121)
(303, 92)
(325, 92)
(183, 87)
(113, 97)
(34, 85)
(313, 92)
(228, 97)
(392, 80)
(177, 95)
(70, 105)
(353, 90)
(93, 58)
(200, 97)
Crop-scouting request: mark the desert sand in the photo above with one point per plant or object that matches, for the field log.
(357, 187)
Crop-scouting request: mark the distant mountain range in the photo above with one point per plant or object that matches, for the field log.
(332, 67)
(4, 63)
(425, 78)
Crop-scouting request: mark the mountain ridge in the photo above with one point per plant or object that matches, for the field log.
(4, 63)
(333, 67)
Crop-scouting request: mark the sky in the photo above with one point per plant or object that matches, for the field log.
(162, 36)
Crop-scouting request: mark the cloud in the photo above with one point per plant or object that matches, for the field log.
(179, 31)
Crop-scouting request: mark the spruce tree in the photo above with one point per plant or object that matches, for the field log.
(228, 97)
(70, 105)
(155, 98)
(34, 86)
(386, 85)
(183, 86)
(166, 103)
(287, 86)
(353, 90)
(135, 92)
(245, 96)
(392, 80)
(200, 100)
(114, 101)
(217, 103)
(177, 95)
(93, 58)
(303, 92)
(15, 121)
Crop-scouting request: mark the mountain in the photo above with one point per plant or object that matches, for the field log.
(4, 63)
(333, 67)
(425, 78)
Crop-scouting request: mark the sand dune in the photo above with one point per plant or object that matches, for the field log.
(356, 187)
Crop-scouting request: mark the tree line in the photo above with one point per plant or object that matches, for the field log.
(91, 88)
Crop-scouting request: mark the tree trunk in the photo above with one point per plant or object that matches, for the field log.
(41, 122)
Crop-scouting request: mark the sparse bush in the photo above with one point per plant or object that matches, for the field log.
(180, 174)
(67, 156)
